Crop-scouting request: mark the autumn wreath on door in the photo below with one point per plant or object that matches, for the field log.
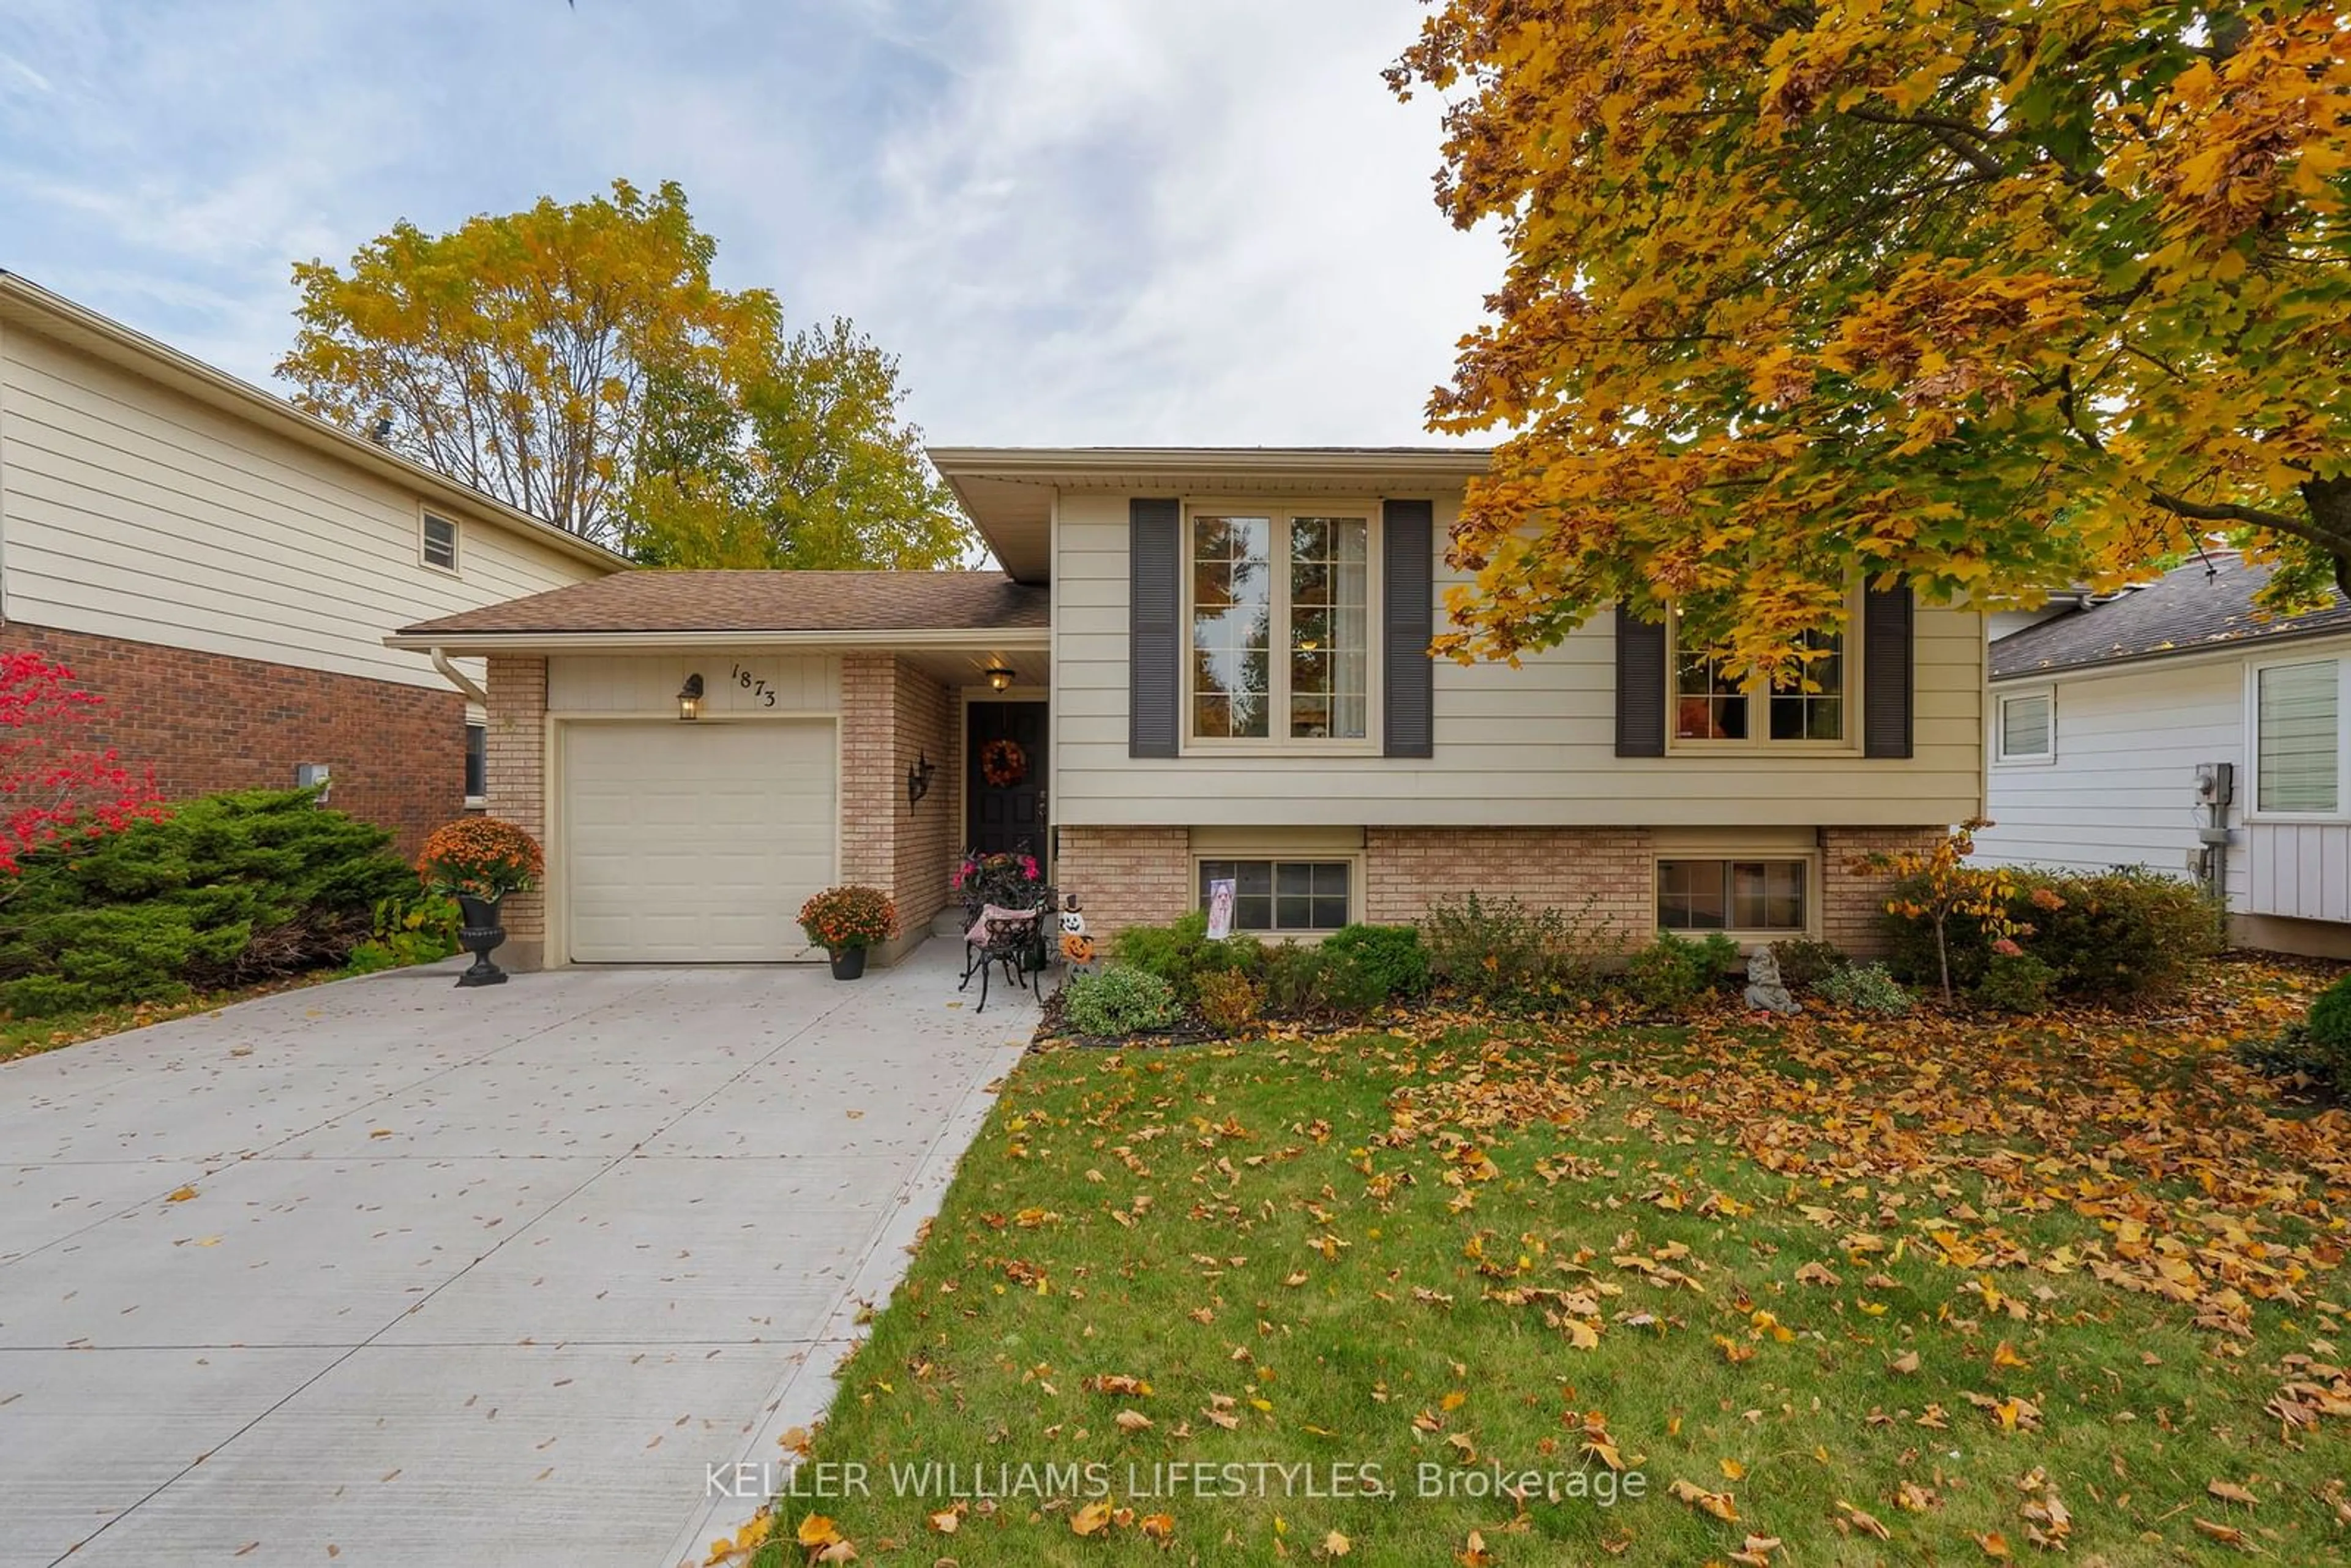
(1003, 764)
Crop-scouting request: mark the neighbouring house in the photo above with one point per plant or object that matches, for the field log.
(1193, 665)
(221, 569)
(2178, 726)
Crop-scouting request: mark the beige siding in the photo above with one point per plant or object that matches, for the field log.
(648, 685)
(1535, 745)
(129, 510)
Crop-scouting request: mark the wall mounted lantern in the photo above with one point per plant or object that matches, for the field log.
(998, 678)
(918, 778)
(689, 698)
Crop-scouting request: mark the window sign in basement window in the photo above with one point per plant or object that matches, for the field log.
(1730, 895)
(1281, 895)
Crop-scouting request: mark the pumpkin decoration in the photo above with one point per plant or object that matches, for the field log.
(1003, 764)
(1077, 947)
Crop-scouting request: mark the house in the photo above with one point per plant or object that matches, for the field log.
(2180, 728)
(221, 568)
(1192, 665)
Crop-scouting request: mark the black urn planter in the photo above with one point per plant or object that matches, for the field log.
(480, 933)
(848, 963)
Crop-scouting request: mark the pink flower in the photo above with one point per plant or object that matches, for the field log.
(1029, 867)
(2007, 949)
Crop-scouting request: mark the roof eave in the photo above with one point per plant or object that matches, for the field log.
(468, 643)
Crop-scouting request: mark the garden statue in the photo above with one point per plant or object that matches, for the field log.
(1764, 988)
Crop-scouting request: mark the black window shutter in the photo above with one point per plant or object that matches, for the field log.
(1640, 685)
(1408, 594)
(1885, 672)
(1154, 606)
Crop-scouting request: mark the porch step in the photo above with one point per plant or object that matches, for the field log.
(947, 921)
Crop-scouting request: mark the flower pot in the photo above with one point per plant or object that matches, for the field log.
(480, 933)
(848, 963)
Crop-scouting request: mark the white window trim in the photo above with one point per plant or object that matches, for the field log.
(1278, 696)
(1760, 744)
(2000, 754)
(1814, 894)
(480, 803)
(455, 567)
(1352, 859)
(2250, 789)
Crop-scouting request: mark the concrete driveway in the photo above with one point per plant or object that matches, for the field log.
(387, 1272)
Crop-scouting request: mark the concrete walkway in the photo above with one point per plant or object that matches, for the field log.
(466, 1277)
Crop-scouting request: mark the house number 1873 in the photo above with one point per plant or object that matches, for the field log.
(764, 693)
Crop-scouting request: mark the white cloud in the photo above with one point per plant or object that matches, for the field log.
(1074, 220)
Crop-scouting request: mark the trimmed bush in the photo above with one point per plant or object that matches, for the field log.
(2328, 1032)
(1806, 961)
(1180, 952)
(2015, 983)
(1231, 1002)
(1508, 955)
(1118, 1001)
(1292, 973)
(2111, 935)
(1865, 987)
(1675, 971)
(1369, 967)
(226, 890)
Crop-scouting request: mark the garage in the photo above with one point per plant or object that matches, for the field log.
(694, 842)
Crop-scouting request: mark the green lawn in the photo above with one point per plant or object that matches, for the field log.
(1909, 1291)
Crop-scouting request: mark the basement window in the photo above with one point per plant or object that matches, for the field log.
(1751, 896)
(1289, 897)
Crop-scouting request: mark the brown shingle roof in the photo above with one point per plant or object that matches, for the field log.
(762, 602)
(2188, 610)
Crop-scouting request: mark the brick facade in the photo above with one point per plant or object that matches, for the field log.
(1853, 900)
(208, 722)
(892, 715)
(1127, 876)
(1603, 875)
(515, 756)
(1599, 875)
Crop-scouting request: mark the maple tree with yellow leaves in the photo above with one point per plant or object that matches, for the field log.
(1992, 296)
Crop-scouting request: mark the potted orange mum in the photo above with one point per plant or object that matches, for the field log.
(478, 861)
(845, 921)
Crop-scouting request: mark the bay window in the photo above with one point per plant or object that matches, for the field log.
(1280, 611)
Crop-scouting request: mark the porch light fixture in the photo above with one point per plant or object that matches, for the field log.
(918, 778)
(689, 698)
(998, 678)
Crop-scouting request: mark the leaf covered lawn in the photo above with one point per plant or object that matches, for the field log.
(1837, 1292)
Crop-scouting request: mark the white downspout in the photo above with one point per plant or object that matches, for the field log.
(459, 679)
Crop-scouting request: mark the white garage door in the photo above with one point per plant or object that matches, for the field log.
(694, 842)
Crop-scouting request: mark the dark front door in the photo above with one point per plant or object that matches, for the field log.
(1004, 775)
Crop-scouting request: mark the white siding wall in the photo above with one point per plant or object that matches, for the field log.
(129, 510)
(2120, 789)
(1535, 745)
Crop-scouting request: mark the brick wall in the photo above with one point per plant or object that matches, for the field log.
(516, 758)
(209, 722)
(891, 714)
(1127, 876)
(1600, 874)
(1853, 900)
(927, 837)
(1133, 876)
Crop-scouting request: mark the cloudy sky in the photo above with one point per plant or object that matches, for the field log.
(1076, 221)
